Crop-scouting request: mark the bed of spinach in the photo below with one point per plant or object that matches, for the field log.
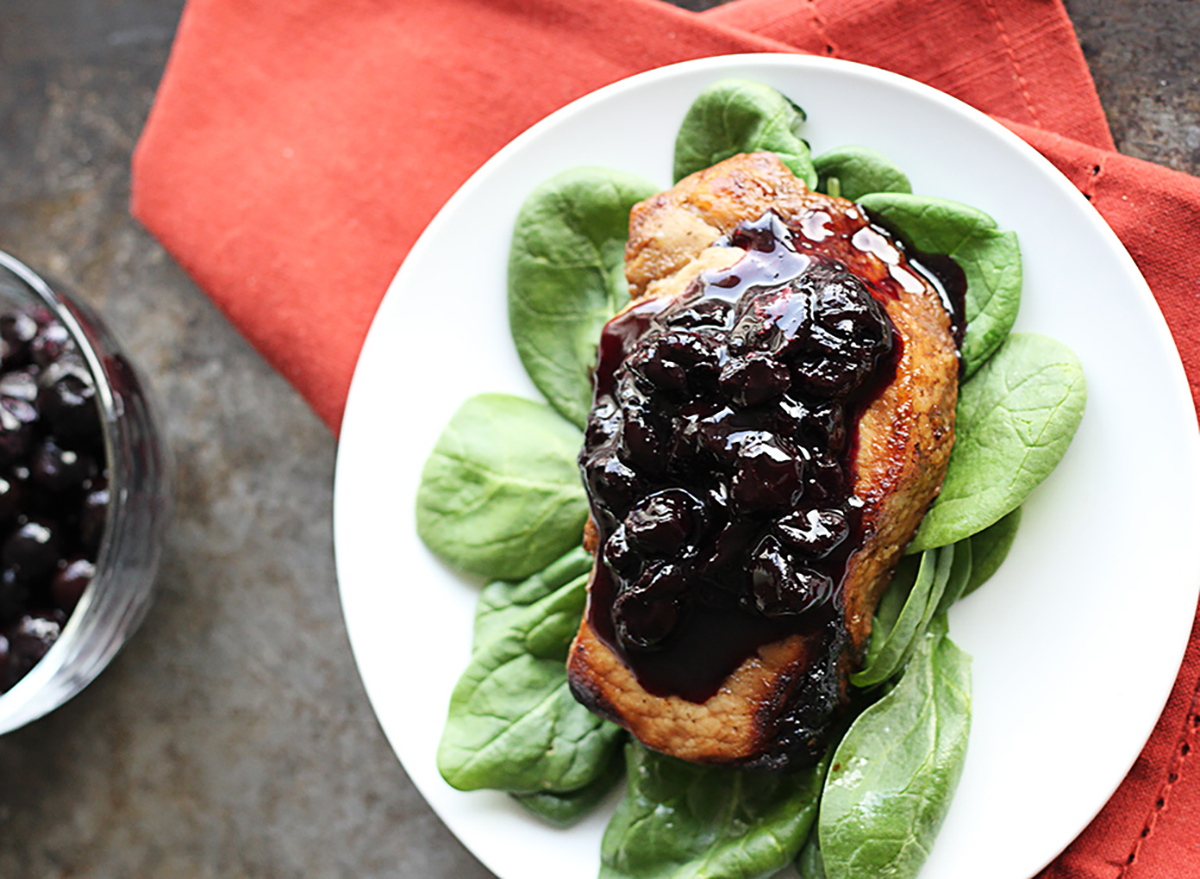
(501, 498)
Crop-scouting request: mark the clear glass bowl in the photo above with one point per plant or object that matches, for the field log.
(116, 600)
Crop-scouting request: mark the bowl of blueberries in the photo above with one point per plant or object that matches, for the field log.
(84, 496)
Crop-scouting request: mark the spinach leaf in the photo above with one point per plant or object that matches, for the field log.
(893, 774)
(737, 116)
(501, 603)
(810, 864)
(566, 278)
(564, 809)
(990, 258)
(1015, 419)
(990, 547)
(856, 171)
(500, 495)
(959, 576)
(904, 614)
(513, 724)
(687, 821)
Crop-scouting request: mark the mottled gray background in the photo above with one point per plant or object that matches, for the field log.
(232, 736)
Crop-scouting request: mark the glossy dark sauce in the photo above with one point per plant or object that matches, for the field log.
(717, 455)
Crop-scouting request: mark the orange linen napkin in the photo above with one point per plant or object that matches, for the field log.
(296, 151)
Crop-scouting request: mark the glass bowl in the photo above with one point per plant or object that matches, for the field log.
(115, 601)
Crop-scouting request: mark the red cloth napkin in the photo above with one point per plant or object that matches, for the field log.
(296, 151)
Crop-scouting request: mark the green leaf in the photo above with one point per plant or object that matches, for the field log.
(566, 278)
(1015, 420)
(513, 724)
(904, 614)
(959, 576)
(895, 771)
(737, 116)
(564, 809)
(858, 171)
(687, 821)
(990, 548)
(500, 495)
(501, 603)
(810, 864)
(990, 259)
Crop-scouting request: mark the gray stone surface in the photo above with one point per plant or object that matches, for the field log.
(232, 737)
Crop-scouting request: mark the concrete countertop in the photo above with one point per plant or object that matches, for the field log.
(232, 737)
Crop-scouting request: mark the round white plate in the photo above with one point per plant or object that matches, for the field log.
(1092, 608)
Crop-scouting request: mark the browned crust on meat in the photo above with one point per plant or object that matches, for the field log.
(904, 442)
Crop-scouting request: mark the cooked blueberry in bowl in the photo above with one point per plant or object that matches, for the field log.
(84, 496)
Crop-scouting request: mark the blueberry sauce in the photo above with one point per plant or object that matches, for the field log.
(717, 454)
(53, 486)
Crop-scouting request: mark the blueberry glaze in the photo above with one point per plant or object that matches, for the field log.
(717, 455)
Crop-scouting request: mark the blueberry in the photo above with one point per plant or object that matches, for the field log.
(830, 376)
(648, 612)
(67, 399)
(32, 550)
(845, 309)
(622, 558)
(645, 435)
(660, 375)
(782, 588)
(676, 362)
(771, 322)
(57, 469)
(52, 342)
(30, 639)
(610, 481)
(665, 523)
(827, 424)
(754, 379)
(69, 582)
(604, 423)
(93, 516)
(14, 595)
(21, 384)
(16, 429)
(815, 533)
(728, 548)
(10, 499)
(825, 480)
(16, 332)
(768, 476)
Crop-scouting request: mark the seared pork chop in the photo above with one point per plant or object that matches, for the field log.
(774, 413)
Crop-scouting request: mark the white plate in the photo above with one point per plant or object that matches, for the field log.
(1077, 640)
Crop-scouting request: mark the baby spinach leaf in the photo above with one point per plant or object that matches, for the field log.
(990, 547)
(687, 821)
(810, 864)
(737, 116)
(513, 724)
(566, 278)
(989, 257)
(959, 576)
(904, 614)
(1015, 419)
(856, 171)
(500, 495)
(564, 809)
(501, 603)
(895, 771)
